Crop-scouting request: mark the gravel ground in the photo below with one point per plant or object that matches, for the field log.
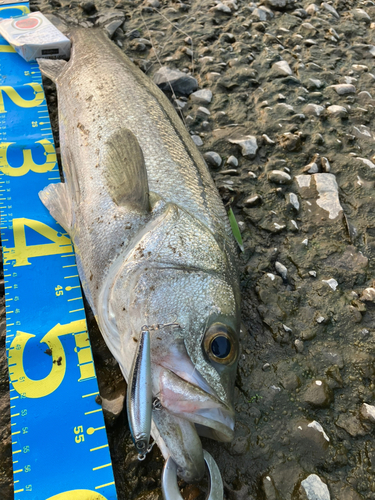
(283, 115)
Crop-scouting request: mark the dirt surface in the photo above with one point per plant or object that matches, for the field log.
(289, 139)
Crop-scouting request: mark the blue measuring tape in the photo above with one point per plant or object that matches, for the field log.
(59, 442)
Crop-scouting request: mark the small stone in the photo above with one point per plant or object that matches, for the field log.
(313, 109)
(298, 345)
(366, 162)
(203, 96)
(293, 200)
(213, 159)
(344, 88)
(367, 412)
(232, 161)
(197, 140)
(337, 111)
(330, 9)
(314, 83)
(327, 189)
(351, 424)
(320, 319)
(312, 9)
(220, 7)
(152, 3)
(262, 13)
(181, 83)
(113, 407)
(311, 168)
(267, 139)
(312, 273)
(368, 295)
(332, 283)
(325, 164)
(315, 489)
(266, 367)
(279, 177)
(203, 112)
(316, 425)
(305, 242)
(249, 146)
(88, 7)
(252, 201)
(281, 269)
(361, 15)
(282, 68)
(318, 394)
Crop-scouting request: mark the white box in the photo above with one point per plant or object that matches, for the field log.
(34, 36)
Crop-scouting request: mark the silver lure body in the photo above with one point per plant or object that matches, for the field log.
(152, 238)
(139, 394)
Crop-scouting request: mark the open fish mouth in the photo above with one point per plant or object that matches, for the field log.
(180, 397)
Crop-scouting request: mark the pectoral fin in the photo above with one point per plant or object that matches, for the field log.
(56, 199)
(51, 68)
(125, 171)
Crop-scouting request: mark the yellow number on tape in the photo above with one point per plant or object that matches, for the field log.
(20, 101)
(78, 495)
(22, 252)
(45, 386)
(28, 162)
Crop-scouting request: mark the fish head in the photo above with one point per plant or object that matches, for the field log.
(186, 292)
(194, 319)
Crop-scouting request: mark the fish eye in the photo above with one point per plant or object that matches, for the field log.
(220, 344)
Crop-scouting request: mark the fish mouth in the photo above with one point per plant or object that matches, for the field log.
(190, 401)
(191, 411)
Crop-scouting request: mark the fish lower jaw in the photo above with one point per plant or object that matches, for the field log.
(184, 400)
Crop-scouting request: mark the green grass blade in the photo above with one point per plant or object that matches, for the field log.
(235, 229)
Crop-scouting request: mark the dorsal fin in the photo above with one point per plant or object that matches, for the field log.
(51, 68)
(125, 171)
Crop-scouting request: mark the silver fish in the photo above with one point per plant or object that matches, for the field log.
(152, 238)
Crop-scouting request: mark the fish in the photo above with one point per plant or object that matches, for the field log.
(153, 242)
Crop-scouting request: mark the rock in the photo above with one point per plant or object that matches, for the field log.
(330, 9)
(152, 3)
(293, 200)
(351, 425)
(113, 407)
(220, 7)
(298, 345)
(314, 488)
(279, 4)
(314, 83)
(312, 9)
(366, 162)
(281, 269)
(252, 201)
(203, 112)
(111, 27)
(197, 140)
(279, 177)
(332, 283)
(107, 17)
(368, 295)
(203, 96)
(318, 394)
(337, 111)
(344, 88)
(213, 159)
(361, 15)
(262, 13)
(281, 68)
(249, 146)
(290, 142)
(325, 164)
(311, 168)
(181, 83)
(327, 189)
(232, 161)
(313, 109)
(367, 412)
